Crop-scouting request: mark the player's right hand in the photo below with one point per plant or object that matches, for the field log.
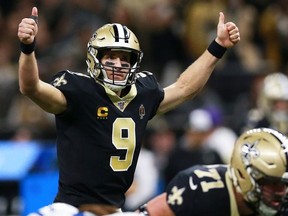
(28, 28)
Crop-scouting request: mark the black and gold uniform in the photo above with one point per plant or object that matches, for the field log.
(202, 191)
(99, 136)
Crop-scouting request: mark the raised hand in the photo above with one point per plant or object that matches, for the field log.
(28, 28)
(227, 33)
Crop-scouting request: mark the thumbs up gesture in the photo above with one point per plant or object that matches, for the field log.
(227, 33)
(28, 28)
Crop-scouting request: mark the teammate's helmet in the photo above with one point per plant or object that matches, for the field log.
(260, 155)
(114, 37)
(275, 88)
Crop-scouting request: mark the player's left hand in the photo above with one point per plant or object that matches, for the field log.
(227, 33)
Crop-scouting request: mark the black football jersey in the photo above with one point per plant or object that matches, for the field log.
(202, 191)
(99, 137)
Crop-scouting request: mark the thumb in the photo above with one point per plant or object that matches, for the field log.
(34, 14)
(34, 11)
(221, 18)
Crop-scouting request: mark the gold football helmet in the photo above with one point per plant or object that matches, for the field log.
(114, 37)
(260, 155)
(275, 91)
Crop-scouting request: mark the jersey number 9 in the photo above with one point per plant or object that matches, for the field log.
(123, 137)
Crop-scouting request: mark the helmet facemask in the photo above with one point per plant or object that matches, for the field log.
(267, 195)
(272, 196)
(99, 72)
(107, 39)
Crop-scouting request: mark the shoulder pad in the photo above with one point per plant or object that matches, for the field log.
(143, 74)
(78, 74)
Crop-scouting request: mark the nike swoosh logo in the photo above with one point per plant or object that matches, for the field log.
(192, 185)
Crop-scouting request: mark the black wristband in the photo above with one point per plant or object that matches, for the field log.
(28, 48)
(34, 18)
(216, 49)
(143, 210)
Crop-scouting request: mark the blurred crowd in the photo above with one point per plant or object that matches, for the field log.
(172, 34)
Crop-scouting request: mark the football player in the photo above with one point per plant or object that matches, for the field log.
(101, 116)
(254, 183)
(272, 104)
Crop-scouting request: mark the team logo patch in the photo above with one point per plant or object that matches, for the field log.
(175, 198)
(141, 111)
(60, 81)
